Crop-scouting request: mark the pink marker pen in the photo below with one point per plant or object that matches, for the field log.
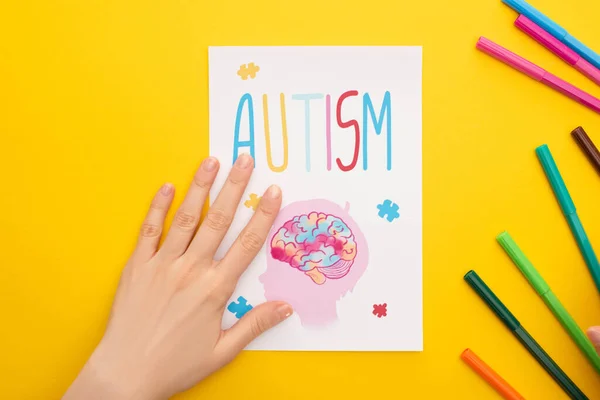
(537, 73)
(558, 48)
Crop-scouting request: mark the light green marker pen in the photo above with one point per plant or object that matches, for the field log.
(540, 286)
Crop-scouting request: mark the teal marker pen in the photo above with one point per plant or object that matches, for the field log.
(568, 209)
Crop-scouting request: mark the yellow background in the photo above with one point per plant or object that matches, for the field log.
(102, 101)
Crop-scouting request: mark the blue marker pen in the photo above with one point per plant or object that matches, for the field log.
(555, 30)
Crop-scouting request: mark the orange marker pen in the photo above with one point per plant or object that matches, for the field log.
(491, 377)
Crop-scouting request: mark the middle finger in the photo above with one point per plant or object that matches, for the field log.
(221, 213)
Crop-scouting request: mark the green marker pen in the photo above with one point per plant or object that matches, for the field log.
(542, 288)
(494, 303)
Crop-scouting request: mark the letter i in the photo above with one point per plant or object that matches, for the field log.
(328, 129)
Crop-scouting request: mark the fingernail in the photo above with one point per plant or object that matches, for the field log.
(166, 189)
(273, 192)
(209, 164)
(284, 311)
(594, 334)
(243, 161)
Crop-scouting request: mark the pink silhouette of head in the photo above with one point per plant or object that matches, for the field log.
(315, 255)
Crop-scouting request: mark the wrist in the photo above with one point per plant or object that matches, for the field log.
(99, 381)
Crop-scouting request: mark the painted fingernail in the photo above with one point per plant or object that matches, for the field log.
(594, 335)
(284, 311)
(273, 192)
(244, 161)
(166, 189)
(209, 164)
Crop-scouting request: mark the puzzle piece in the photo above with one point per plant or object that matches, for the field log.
(240, 308)
(252, 202)
(388, 210)
(248, 70)
(380, 310)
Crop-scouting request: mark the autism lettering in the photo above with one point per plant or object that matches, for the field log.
(357, 132)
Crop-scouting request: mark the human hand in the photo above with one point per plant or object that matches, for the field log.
(164, 334)
(594, 335)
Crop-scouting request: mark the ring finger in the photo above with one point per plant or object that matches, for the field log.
(187, 216)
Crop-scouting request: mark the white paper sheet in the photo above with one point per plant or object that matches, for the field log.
(329, 254)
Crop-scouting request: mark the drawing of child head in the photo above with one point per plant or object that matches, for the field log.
(315, 255)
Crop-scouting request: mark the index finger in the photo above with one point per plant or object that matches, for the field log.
(253, 236)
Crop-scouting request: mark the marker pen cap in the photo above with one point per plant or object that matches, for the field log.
(556, 180)
(521, 261)
(493, 302)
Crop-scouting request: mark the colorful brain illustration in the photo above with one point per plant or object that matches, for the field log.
(318, 244)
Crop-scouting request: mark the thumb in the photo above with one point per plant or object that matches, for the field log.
(257, 321)
(594, 335)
